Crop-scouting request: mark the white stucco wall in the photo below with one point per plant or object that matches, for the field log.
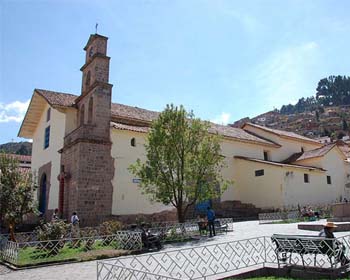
(229, 149)
(71, 120)
(315, 192)
(335, 166)
(41, 156)
(263, 191)
(285, 187)
(127, 196)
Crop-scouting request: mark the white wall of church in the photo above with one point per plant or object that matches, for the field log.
(337, 169)
(263, 191)
(279, 187)
(127, 196)
(316, 192)
(71, 120)
(41, 156)
(229, 149)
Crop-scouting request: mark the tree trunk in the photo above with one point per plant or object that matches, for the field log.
(12, 232)
(180, 215)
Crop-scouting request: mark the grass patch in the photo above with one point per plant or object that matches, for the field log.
(33, 255)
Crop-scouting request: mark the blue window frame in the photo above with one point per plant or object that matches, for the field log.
(47, 137)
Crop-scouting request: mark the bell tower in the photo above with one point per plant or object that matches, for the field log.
(86, 155)
(96, 67)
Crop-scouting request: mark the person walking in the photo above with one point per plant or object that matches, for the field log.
(211, 219)
(55, 216)
(75, 225)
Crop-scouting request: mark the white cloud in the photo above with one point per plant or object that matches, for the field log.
(13, 112)
(286, 75)
(224, 118)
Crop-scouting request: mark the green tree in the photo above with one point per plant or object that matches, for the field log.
(17, 189)
(344, 125)
(22, 150)
(183, 161)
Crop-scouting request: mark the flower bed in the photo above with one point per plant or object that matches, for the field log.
(70, 249)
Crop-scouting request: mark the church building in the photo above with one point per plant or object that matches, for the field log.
(83, 145)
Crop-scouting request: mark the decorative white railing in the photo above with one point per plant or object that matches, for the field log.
(216, 261)
(278, 216)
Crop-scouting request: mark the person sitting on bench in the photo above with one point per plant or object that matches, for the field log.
(149, 240)
(327, 232)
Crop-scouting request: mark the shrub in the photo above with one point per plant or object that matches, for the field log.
(109, 228)
(50, 235)
(52, 231)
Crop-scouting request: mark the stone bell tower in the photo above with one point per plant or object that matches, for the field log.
(87, 165)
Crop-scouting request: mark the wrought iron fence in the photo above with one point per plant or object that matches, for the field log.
(278, 216)
(34, 252)
(216, 261)
(172, 231)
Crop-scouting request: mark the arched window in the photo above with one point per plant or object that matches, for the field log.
(91, 105)
(88, 78)
(42, 194)
(82, 114)
(133, 142)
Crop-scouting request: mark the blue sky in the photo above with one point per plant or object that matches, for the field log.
(223, 59)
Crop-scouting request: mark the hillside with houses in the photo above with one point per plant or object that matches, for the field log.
(325, 117)
(330, 124)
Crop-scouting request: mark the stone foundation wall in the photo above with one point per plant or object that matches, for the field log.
(164, 216)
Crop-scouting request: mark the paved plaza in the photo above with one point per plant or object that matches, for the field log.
(87, 270)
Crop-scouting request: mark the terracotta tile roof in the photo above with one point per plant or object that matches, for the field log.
(57, 98)
(226, 131)
(319, 152)
(129, 112)
(280, 164)
(282, 133)
(345, 149)
(239, 134)
(22, 158)
(120, 126)
(129, 116)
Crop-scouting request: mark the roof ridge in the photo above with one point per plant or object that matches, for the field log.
(281, 133)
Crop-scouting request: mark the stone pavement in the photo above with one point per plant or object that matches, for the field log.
(87, 270)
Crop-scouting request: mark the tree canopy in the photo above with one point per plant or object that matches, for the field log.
(16, 192)
(331, 91)
(183, 161)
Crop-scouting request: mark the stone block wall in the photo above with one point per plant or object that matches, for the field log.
(88, 187)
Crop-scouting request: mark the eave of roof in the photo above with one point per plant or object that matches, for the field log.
(20, 157)
(280, 164)
(314, 154)
(238, 134)
(128, 115)
(39, 98)
(283, 134)
(120, 126)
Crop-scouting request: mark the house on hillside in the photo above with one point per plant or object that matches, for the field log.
(83, 145)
